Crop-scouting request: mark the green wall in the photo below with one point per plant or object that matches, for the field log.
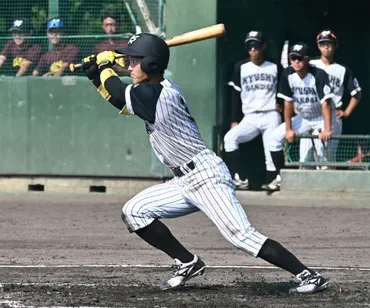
(61, 126)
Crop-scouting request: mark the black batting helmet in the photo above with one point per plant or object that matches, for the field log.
(153, 49)
(326, 35)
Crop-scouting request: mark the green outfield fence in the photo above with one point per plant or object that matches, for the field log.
(82, 23)
(342, 151)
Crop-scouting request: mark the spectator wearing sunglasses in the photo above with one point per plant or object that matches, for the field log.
(342, 81)
(306, 89)
(21, 51)
(254, 84)
(55, 61)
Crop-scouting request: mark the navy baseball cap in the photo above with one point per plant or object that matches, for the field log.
(300, 49)
(20, 25)
(326, 35)
(254, 36)
(55, 23)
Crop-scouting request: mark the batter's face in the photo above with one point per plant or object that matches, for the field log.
(299, 63)
(136, 73)
(54, 36)
(109, 25)
(18, 38)
(255, 49)
(327, 49)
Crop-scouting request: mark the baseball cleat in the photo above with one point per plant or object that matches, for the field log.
(309, 283)
(184, 272)
(274, 185)
(240, 184)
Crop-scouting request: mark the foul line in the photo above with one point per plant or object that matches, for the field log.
(153, 266)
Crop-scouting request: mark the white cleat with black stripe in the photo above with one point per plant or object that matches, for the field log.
(309, 283)
(184, 272)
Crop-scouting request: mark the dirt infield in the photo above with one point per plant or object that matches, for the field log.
(67, 251)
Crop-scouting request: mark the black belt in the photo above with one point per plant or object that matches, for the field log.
(179, 173)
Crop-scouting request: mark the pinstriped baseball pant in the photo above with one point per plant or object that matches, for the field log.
(208, 188)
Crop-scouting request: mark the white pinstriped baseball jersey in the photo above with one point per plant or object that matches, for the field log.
(341, 79)
(173, 134)
(257, 85)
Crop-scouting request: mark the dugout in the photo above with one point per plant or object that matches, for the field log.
(296, 20)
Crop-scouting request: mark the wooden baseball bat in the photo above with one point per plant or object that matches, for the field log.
(182, 39)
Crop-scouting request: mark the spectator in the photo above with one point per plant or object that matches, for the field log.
(110, 24)
(55, 61)
(254, 92)
(21, 51)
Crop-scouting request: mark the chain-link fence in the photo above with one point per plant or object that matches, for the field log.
(345, 151)
(41, 35)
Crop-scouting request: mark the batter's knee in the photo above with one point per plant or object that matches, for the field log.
(135, 216)
(230, 142)
(276, 141)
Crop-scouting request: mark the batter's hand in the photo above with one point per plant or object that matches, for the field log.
(90, 67)
(105, 59)
(290, 135)
(325, 135)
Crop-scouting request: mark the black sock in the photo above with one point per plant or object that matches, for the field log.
(274, 253)
(278, 160)
(270, 176)
(159, 236)
(233, 160)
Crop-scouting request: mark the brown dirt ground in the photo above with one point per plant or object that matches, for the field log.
(52, 230)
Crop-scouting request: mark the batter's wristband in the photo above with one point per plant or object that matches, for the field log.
(107, 73)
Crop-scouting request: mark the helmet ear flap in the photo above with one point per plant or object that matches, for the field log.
(150, 65)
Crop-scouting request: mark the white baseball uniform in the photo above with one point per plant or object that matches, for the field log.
(307, 94)
(257, 85)
(202, 180)
(341, 79)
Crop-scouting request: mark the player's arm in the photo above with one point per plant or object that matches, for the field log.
(2, 60)
(236, 102)
(353, 88)
(325, 94)
(61, 70)
(285, 93)
(24, 68)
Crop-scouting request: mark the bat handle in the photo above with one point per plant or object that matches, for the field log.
(74, 67)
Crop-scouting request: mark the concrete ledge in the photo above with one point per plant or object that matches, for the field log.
(350, 181)
(75, 185)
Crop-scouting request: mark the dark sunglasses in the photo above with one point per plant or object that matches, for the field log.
(255, 46)
(296, 58)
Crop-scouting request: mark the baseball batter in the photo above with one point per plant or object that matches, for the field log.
(341, 81)
(201, 180)
(306, 89)
(254, 92)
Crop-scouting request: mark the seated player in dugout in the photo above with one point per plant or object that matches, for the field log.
(55, 62)
(342, 81)
(111, 23)
(304, 88)
(201, 179)
(23, 52)
(254, 84)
